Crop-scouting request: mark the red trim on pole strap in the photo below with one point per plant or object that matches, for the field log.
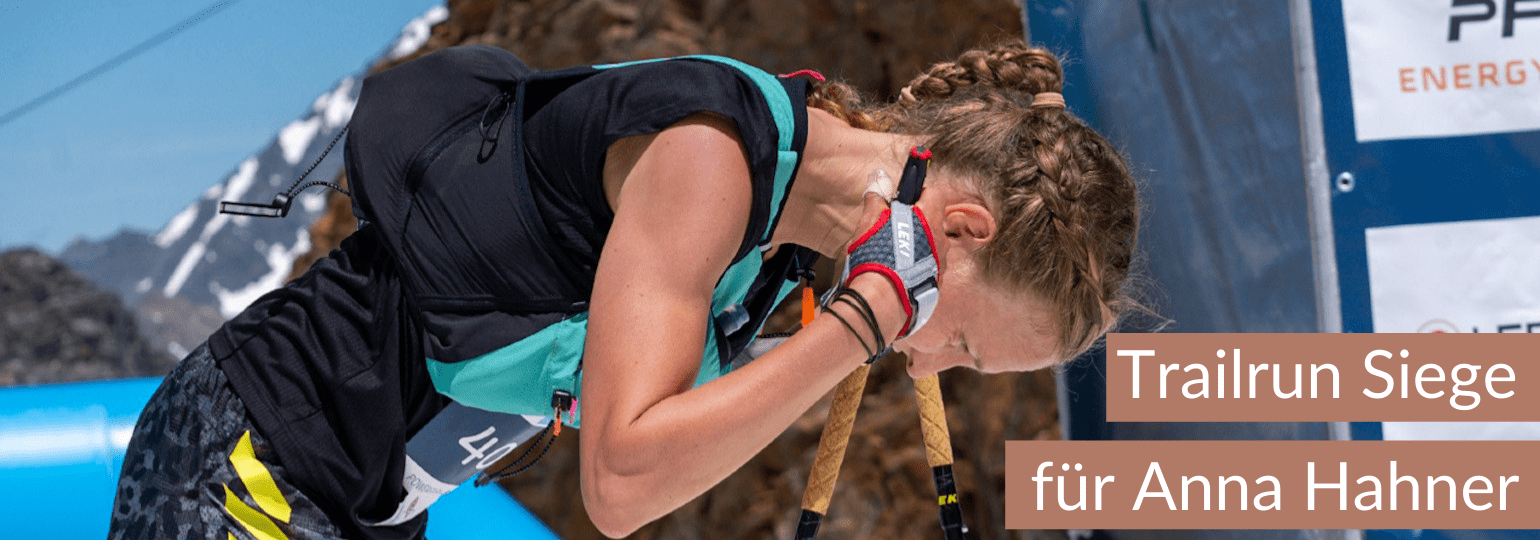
(898, 284)
(881, 220)
(920, 152)
(808, 72)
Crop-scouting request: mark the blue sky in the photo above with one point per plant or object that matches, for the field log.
(132, 147)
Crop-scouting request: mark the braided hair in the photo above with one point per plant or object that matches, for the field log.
(1064, 201)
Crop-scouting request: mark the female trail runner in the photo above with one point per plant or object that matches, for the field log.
(602, 244)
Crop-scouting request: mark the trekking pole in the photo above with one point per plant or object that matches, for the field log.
(831, 444)
(831, 452)
(938, 452)
(836, 436)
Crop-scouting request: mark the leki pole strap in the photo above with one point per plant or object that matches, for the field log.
(847, 398)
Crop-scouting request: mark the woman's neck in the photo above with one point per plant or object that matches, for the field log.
(823, 208)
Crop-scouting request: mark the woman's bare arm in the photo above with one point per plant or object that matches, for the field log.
(650, 443)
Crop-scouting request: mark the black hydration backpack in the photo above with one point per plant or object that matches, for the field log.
(436, 160)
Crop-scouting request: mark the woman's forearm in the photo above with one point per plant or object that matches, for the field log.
(682, 445)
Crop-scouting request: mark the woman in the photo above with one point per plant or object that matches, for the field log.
(603, 243)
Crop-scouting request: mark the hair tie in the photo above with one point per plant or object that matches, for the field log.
(906, 95)
(1052, 100)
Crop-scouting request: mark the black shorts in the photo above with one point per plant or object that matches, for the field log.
(197, 469)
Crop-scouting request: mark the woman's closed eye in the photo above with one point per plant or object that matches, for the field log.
(962, 345)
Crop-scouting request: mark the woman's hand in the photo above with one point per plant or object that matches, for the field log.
(897, 246)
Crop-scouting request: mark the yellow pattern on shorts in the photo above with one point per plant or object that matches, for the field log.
(263, 490)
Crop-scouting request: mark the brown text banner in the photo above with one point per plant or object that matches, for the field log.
(1272, 485)
(1323, 377)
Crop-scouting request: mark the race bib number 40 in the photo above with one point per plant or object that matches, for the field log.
(456, 445)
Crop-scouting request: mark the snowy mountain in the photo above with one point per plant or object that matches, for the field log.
(203, 267)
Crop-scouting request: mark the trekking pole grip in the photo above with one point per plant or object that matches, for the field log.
(938, 452)
(831, 451)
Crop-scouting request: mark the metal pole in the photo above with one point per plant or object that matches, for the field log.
(1026, 29)
(1323, 244)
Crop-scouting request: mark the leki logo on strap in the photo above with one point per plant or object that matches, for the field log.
(903, 236)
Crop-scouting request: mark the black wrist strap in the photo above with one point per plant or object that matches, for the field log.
(852, 329)
(858, 302)
(866, 313)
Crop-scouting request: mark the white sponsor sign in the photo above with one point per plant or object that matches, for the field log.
(1437, 68)
(1461, 431)
(1466, 276)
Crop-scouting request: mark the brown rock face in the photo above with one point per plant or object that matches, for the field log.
(885, 488)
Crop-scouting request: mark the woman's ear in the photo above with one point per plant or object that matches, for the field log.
(967, 225)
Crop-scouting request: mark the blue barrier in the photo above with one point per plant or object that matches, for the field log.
(61, 448)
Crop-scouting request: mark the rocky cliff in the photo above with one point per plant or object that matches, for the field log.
(885, 489)
(59, 327)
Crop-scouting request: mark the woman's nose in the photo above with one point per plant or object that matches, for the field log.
(923, 363)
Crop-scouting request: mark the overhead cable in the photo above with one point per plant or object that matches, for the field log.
(113, 62)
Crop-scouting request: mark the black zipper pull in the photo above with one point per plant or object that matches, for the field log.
(561, 402)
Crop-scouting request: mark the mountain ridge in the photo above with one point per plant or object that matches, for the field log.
(203, 267)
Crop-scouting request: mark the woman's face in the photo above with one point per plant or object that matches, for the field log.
(981, 326)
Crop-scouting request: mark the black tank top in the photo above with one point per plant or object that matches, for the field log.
(501, 168)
